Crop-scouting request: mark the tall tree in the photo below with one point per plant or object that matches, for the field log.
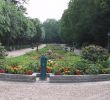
(51, 27)
(86, 21)
(15, 27)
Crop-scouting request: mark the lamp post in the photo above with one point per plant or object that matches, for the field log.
(108, 43)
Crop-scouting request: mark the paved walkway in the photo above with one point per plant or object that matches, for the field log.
(23, 51)
(54, 91)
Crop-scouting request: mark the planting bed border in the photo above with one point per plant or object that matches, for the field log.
(47, 74)
(78, 78)
(17, 77)
(55, 78)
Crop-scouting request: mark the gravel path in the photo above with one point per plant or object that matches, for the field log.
(54, 91)
(23, 51)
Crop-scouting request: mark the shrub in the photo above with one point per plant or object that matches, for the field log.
(81, 65)
(2, 55)
(2, 52)
(93, 69)
(106, 71)
(106, 64)
(94, 53)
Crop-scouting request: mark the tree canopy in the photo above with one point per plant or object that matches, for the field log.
(15, 27)
(86, 21)
(51, 27)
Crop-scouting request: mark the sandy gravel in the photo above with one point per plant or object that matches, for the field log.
(23, 51)
(54, 91)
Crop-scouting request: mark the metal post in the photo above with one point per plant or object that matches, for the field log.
(108, 43)
(43, 61)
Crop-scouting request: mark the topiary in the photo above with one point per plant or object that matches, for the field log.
(94, 53)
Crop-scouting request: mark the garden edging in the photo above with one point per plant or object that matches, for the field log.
(17, 77)
(78, 78)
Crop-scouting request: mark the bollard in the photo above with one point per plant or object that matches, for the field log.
(43, 62)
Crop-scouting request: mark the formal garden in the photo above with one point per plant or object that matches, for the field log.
(77, 25)
(92, 60)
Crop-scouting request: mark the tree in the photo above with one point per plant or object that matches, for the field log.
(51, 27)
(15, 27)
(86, 21)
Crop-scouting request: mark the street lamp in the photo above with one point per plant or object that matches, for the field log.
(108, 42)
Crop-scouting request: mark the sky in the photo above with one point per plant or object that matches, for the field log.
(43, 9)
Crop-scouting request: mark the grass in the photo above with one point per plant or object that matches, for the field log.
(60, 57)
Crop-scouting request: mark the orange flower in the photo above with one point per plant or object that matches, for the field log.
(49, 70)
(66, 69)
(78, 72)
(29, 72)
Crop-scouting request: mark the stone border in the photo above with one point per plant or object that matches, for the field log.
(48, 74)
(17, 77)
(78, 78)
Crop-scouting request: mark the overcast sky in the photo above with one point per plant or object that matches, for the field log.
(43, 9)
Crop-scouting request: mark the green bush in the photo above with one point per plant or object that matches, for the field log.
(105, 64)
(93, 69)
(106, 71)
(2, 52)
(94, 53)
(81, 65)
(2, 55)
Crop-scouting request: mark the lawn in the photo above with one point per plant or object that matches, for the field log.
(59, 56)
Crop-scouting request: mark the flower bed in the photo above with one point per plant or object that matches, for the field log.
(16, 70)
(17, 73)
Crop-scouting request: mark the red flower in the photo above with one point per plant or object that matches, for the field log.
(2, 71)
(58, 73)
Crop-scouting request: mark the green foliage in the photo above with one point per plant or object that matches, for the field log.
(32, 66)
(106, 71)
(81, 65)
(106, 64)
(2, 52)
(93, 69)
(94, 53)
(51, 27)
(86, 21)
(15, 27)
(2, 55)
(68, 65)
